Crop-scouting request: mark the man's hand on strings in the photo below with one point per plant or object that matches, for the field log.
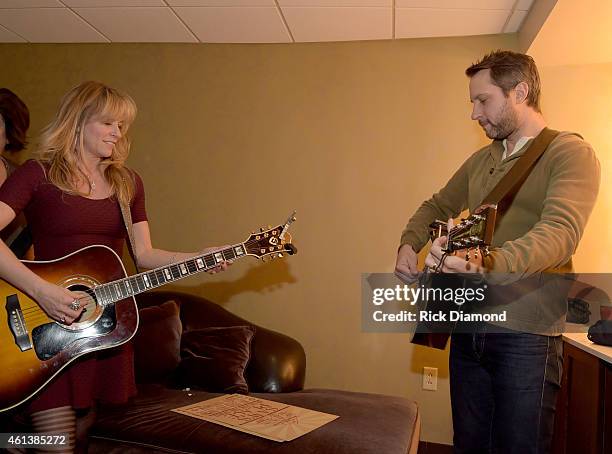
(455, 262)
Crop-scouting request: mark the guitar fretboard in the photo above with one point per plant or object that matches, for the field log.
(111, 292)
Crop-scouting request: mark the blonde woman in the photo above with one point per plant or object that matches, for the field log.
(70, 195)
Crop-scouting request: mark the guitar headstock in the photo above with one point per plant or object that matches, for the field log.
(272, 242)
(475, 231)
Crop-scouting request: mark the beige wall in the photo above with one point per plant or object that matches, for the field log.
(231, 137)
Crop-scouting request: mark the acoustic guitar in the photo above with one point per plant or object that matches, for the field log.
(35, 348)
(474, 234)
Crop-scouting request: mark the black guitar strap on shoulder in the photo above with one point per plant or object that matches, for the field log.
(505, 190)
(127, 221)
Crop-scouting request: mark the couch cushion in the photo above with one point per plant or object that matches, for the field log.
(368, 424)
(214, 359)
(157, 343)
(278, 362)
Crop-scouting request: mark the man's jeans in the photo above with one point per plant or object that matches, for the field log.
(504, 391)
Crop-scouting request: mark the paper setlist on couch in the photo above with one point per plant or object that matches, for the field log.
(264, 418)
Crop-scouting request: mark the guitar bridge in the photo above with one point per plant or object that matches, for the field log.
(16, 323)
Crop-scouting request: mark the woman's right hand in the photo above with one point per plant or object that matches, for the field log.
(56, 302)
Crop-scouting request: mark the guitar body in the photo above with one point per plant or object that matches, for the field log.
(35, 348)
(432, 340)
(436, 334)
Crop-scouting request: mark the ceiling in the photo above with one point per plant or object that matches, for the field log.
(253, 21)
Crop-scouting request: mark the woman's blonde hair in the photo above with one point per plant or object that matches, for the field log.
(62, 139)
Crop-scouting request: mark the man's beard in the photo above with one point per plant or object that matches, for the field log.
(506, 125)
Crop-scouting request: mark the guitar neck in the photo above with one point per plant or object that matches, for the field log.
(111, 292)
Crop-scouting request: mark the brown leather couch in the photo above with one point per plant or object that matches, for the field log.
(368, 423)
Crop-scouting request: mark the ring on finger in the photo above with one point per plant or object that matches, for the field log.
(75, 305)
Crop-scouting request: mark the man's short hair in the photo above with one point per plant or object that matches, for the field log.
(507, 70)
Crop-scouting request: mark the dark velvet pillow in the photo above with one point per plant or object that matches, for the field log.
(157, 343)
(214, 359)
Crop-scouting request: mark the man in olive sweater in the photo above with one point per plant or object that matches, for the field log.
(504, 379)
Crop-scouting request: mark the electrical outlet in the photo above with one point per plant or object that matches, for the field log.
(430, 378)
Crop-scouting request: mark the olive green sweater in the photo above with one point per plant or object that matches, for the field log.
(540, 230)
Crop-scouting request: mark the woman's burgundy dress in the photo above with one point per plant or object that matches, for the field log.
(63, 223)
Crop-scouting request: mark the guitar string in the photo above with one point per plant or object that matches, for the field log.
(27, 309)
(34, 309)
(172, 267)
(35, 312)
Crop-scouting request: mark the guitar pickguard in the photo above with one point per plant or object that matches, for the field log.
(51, 338)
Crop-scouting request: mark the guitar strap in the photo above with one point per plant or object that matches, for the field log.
(504, 191)
(127, 221)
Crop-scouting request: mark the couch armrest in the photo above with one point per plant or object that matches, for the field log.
(278, 362)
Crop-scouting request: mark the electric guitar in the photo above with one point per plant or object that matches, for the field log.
(474, 234)
(35, 348)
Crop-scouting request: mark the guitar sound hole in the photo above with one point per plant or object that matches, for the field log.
(87, 302)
